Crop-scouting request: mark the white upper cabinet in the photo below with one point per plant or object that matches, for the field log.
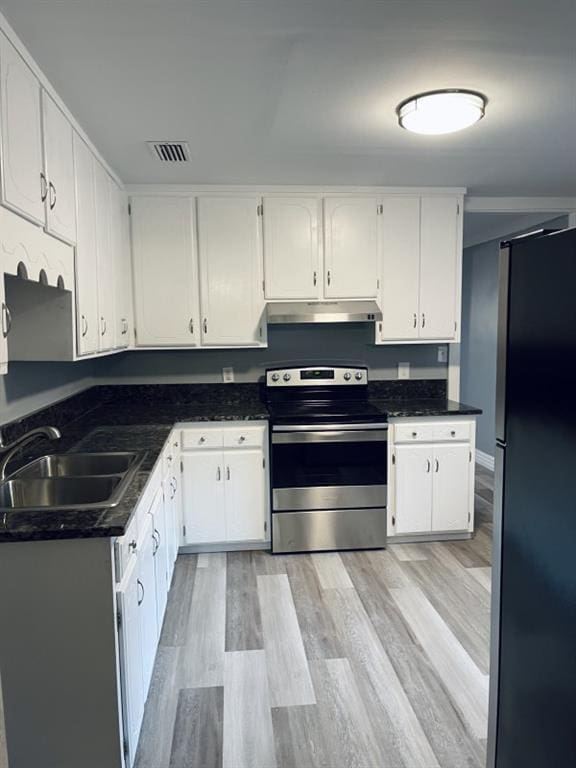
(87, 318)
(400, 267)
(292, 247)
(59, 172)
(351, 232)
(440, 255)
(231, 274)
(421, 269)
(165, 272)
(106, 269)
(122, 268)
(24, 187)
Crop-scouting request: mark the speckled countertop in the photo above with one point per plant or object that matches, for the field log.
(140, 418)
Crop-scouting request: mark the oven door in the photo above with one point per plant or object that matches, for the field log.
(328, 467)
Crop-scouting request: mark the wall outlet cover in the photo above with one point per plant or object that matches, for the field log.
(228, 375)
(442, 353)
(403, 370)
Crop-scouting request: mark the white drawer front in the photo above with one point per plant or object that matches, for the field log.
(447, 432)
(414, 433)
(243, 438)
(202, 438)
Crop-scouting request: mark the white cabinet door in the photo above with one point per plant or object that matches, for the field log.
(203, 511)
(451, 488)
(87, 318)
(106, 300)
(230, 251)
(291, 247)
(413, 489)
(400, 268)
(245, 495)
(122, 267)
(351, 232)
(171, 511)
(4, 329)
(165, 272)
(160, 553)
(439, 258)
(23, 186)
(147, 602)
(59, 172)
(128, 597)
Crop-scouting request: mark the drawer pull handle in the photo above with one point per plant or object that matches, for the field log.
(414, 434)
(202, 440)
(453, 433)
(241, 439)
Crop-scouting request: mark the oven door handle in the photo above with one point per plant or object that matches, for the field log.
(380, 426)
(331, 436)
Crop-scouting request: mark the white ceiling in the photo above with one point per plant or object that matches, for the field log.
(304, 91)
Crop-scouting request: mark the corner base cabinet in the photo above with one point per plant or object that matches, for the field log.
(431, 478)
(225, 485)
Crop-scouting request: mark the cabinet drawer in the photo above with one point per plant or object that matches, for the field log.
(202, 438)
(247, 437)
(415, 433)
(456, 431)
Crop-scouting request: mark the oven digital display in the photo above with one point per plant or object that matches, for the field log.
(317, 373)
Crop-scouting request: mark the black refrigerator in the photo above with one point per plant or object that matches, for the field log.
(532, 719)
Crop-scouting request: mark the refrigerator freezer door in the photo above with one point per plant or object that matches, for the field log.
(502, 348)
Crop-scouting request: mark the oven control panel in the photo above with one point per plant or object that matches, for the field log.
(316, 375)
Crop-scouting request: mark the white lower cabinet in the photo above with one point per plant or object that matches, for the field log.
(431, 477)
(225, 484)
(160, 555)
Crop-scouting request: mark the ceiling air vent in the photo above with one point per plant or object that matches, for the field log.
(170, 151)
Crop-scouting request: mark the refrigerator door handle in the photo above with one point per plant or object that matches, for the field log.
(502, 348)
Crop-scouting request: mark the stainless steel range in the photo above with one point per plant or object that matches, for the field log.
(329, 460)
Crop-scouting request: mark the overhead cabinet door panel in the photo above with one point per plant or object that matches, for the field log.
(400, 267)
(165, 271)
(106, 301)
(352, 247)
(59, 170)
(22, 186)
(438, 267)
(230, 251)
(291, 247)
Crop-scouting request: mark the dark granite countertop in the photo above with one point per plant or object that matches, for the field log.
(140, 418)
(431, 407)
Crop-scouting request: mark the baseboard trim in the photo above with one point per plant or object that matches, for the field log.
(485, 460)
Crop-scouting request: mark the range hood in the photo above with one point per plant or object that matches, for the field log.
(288, 312)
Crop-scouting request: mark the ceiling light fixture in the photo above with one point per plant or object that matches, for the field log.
(444, 111)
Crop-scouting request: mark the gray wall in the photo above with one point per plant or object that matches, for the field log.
(30, 386)
(479, 332)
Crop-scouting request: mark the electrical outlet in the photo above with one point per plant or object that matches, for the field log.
(228, 375)
(442, 353)
(403, 370)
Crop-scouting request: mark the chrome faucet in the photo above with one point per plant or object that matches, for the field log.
(7, 452)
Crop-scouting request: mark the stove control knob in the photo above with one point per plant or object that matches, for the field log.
(275, 376)
(287, 377)
(347, 376)
(359, 375)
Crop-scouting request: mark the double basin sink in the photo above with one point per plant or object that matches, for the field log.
(70, 480)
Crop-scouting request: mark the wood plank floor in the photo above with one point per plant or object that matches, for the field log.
(375, 659)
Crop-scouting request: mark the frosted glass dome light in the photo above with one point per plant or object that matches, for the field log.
(438, 112)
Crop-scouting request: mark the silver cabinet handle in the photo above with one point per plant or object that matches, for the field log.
(52, 189)
(6, 320)
(205, 325)
(124, 326)
(102, 326)
(227, 473)
(84, 325)
(415, 319)
(423, 320)
(43, 187)
(140, 585)
(315, 280)
(329, 277)
(437, 465)
(191, 326)
(218, 474)
(133, 546)
(175, 485)
(428, 466)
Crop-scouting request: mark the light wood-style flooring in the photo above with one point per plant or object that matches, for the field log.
(374, 659)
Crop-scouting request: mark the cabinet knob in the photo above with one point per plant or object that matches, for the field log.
(414, 434)
(202, 440)
(241, 439)
(453, 433)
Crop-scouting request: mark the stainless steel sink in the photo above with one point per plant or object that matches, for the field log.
(77, 465)
(69, 481)
(57, 493)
